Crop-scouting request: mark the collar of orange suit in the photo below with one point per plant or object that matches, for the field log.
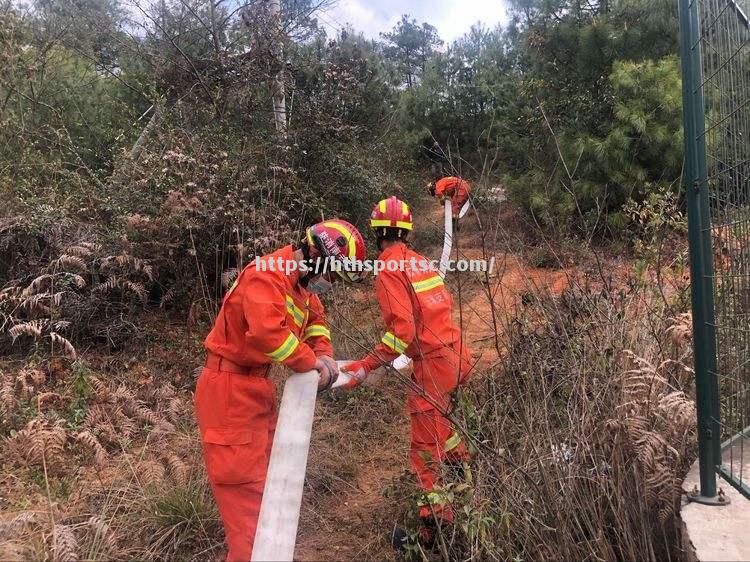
(392, 251)
(287, 254)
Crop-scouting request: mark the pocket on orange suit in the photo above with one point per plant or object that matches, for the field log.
(235, 456)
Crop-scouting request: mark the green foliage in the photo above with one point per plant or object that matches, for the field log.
(637, 151)
(410, 45)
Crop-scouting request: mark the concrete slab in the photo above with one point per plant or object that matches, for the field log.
(719, 533)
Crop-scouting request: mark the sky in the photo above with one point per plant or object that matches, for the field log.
(453, 18)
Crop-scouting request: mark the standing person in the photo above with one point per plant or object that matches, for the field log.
(416, 309)
(270, 315)
(455, 188)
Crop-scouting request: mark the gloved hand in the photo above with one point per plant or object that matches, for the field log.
(329, 372)
(358, 371)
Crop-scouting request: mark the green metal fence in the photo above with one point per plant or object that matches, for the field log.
(715, 45)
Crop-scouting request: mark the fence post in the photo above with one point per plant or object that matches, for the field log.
(701, 259)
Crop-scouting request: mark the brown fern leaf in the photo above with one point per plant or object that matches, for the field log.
(45, 397)
(102, 391)
(10, 294)
(637, 427)
(677, 411)
(103, 534)
(164, 392)
(78, 251)
(60, 325)
(24, 388)
(12, 528)
(8, 396)
(111, 283)
(31, 328)
(67, 347)
(64, 544)
(145, 415)
(653, 450)
(228, 277)
(178, 469)
(659, 486)
(38, 444)
(37, 284)
(124, 395)
(138, 288)
(167, 298)
(77, 280)
(680, 331)
(97, 415)
(37, 303)
(67, 262)
(175, 409)
(151, 472)
(37, 376)
(89, 440)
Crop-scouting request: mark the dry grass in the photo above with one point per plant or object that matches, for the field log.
(581, 443)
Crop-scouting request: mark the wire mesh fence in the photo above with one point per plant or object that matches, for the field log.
(718, 39)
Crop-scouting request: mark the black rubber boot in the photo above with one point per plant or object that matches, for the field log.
(399, 538)
(426, 536)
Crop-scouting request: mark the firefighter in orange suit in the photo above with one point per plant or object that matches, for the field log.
(416, 309)
(457, 189)
(272, 314)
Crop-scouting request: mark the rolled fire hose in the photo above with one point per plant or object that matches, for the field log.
(276, 534)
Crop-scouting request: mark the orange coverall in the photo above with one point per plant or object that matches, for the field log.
(416, 308)
(266, 317)
(455, 188)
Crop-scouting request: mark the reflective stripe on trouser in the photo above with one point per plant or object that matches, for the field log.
(433, 440)
(237, 418)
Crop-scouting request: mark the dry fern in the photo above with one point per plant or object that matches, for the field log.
(102, 391)
(14, 527)
(150, 472)
(66, 262)
(31, 328)
(64, 544)
(8, 396)
(178, 469)
(103, 534)
(90, 441)
(38, 443)
(680, 331)
(68, 349)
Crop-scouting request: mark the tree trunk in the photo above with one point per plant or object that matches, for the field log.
(279, 99)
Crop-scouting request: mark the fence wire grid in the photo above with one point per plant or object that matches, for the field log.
(725, 84)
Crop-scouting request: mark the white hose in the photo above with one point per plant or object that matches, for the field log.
(464, 209)
(447, 239)
(282, 496)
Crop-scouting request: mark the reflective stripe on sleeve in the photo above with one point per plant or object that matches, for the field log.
(316, 330)
(452, 442)
(297, 314)
(285, 349)
(396, 344)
